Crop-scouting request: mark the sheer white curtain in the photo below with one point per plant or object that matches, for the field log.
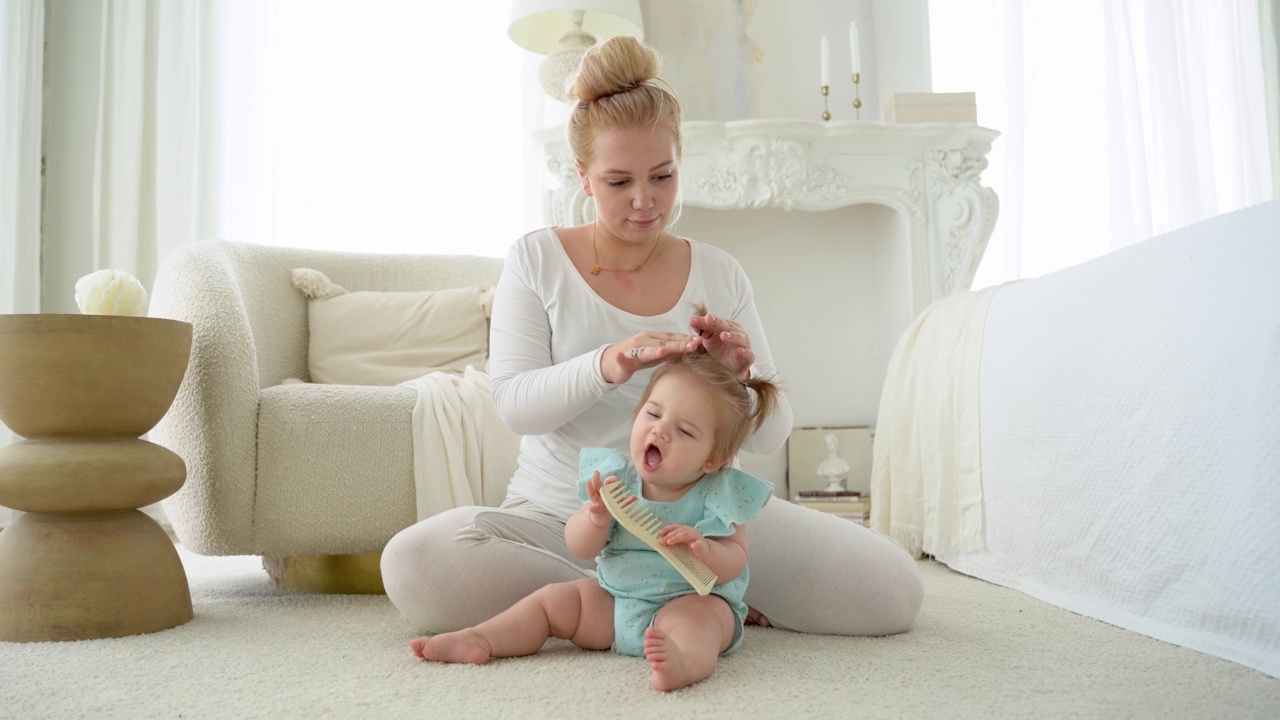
(392, 125)
(128, 137)
(1269, 18)
(385, 126)
(21, 84)
(21, 60)
(1121, 119)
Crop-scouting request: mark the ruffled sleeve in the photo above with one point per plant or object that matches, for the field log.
(608, 461)
(733, 498)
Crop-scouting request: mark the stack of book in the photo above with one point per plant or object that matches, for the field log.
(849, 504)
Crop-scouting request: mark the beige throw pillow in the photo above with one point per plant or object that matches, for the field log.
(386, 338)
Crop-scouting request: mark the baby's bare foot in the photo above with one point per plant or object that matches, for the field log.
(464, 646)
(670, 669)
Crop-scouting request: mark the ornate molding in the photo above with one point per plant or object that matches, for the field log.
(913, 192)
(952, 167)
(931, 173)
(964, 207)
(759, 172)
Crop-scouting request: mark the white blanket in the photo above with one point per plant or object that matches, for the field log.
(1130, 426)
(462, 453)
(926, 474)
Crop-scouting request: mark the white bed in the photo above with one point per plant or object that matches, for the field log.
(1106, 438)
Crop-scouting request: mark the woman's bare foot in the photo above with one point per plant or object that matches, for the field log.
(671, 670)
(463, 646)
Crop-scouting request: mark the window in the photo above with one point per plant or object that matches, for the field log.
(384, 126)
(1120, 120)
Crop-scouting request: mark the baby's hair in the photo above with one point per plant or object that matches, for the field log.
(617, 86)
(738, 413)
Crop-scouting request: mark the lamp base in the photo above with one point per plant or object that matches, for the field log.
(560, 66)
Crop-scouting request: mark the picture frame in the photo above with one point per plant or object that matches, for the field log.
(807, 448)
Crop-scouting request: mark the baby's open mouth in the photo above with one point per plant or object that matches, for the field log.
(652, 457)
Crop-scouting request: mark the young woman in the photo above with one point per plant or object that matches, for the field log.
(581, 316)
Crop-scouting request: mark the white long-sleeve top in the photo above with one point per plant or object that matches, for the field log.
(547, 333)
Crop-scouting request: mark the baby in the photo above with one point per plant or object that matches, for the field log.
(690, 423)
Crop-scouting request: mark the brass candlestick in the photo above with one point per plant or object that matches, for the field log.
(826, 112)
(857, 100)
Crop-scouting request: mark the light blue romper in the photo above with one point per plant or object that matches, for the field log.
(642, 581)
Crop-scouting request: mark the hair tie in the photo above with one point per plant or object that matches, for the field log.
(626, 88)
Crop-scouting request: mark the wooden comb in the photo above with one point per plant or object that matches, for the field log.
(645, 525)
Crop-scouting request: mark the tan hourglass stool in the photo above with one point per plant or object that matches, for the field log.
(83, 562)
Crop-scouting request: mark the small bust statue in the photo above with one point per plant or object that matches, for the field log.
(834, 468)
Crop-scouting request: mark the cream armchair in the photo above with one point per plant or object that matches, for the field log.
(283, 469)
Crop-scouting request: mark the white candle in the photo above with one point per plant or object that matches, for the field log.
(853, 48)
(826, 64)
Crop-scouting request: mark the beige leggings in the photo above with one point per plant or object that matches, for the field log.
(810, 571)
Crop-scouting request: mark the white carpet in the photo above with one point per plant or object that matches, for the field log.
(978, 650)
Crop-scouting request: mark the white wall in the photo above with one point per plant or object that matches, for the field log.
(729, 65)
(733, 60)
(902, 48)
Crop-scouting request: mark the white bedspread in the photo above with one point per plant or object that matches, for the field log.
(462, 452)
(1130, 412)
(926, 473)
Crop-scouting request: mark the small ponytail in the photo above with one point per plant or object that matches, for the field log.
(767, 392)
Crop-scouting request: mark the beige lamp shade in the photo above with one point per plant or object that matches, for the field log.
(564, 29)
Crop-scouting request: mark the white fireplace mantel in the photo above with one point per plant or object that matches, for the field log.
(929, 173)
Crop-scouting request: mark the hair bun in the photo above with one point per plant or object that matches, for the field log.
(616, 65)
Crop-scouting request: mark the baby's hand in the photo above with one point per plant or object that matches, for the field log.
(600, 515)
(684, 534)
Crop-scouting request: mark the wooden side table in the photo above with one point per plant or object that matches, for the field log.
(84, 562)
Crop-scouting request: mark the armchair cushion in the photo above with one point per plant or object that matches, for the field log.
(386, 338)
(335, 467)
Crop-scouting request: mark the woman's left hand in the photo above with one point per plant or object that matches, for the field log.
(725, 341)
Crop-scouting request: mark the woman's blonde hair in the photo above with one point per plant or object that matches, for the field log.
(617, 86)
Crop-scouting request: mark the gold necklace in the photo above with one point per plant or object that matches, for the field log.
(596, 254)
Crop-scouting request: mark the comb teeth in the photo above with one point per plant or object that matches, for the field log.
(645, 525)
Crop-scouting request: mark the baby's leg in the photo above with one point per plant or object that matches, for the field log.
(579, 611)
(686, 640)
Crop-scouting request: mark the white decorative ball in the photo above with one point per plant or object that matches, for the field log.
(111, 292)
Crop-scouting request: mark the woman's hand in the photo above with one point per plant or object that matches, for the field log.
(642, 350)
(725, 341)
